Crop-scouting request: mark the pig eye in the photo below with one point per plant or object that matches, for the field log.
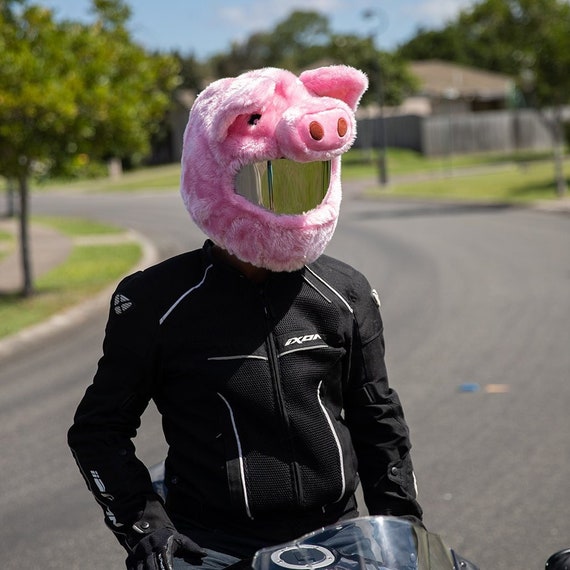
(253, 119)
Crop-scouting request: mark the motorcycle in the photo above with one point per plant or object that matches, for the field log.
(559, 560)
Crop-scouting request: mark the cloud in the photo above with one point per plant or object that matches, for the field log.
(261, 15)
(437, 12)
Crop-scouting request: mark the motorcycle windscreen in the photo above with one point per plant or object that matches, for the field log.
(367, 543)
(284, 186)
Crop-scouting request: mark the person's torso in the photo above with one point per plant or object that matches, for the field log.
(250, 388)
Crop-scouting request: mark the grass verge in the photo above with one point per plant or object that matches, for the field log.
(165, 177)
(359, 162)
(509, 184)
(511, 178)
(87, 270)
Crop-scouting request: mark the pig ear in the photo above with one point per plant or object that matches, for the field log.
(338, 81)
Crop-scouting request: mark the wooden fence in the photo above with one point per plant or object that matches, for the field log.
(441, 135)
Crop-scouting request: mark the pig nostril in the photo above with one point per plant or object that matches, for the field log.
(316, 130)
(342, 127)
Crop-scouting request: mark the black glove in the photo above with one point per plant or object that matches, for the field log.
(153, 540)
(155, 551)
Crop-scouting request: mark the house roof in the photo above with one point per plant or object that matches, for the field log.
(451, 81)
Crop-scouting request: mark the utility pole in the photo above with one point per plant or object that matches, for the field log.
(382, 166)
(382, 150)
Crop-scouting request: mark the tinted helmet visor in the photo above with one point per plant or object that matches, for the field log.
(284, 186)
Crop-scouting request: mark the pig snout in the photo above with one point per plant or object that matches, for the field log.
(324, 131)
(318, 133)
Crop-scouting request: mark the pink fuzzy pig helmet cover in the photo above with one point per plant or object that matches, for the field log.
(266, 115)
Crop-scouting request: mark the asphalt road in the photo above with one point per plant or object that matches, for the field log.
(476, 307)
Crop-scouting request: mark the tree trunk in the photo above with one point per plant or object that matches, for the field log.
(115, 168)
(10, 198)
(555, 124)
(561, 186)
(27, 288)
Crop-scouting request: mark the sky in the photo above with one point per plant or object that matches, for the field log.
(205, 27)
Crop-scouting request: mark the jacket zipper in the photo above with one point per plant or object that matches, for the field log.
(274, 367)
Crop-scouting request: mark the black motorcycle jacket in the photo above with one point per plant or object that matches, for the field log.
(274, 397)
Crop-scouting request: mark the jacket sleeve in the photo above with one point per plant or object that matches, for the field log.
(109, 414)
(375, 416)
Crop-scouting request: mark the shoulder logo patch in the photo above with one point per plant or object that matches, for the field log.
(376, 298)
(121, 304)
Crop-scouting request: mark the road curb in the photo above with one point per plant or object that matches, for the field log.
(77, 313)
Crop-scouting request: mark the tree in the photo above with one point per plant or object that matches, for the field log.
(299, 40)
(304, 39)
(68, 89)
(528, 39)
(192, 71)
(251, 54)
(34, 105)
(538, 35)
(294, 43)
(446, 44)
(124, 91)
